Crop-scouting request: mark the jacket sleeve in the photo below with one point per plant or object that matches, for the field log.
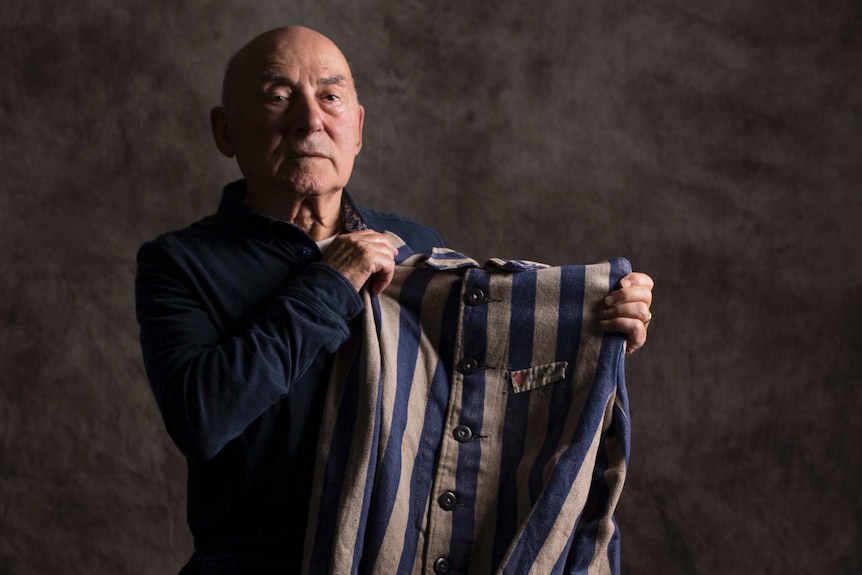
(210, 385)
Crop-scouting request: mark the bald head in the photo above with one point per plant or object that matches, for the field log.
(285, 44)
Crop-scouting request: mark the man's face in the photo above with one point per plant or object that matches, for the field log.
(293, 118)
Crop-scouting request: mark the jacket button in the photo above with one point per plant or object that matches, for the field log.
(475, 296)
(448, 500)
(441, 565)
(468, 366)
(462, 434)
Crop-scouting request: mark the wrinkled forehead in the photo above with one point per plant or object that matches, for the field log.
(315, 52)
(302, 53)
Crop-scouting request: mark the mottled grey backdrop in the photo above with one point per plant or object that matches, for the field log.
(718, 145)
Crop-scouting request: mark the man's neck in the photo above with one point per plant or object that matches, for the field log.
(318, 216)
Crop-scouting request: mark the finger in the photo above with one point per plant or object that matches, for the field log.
(637, 279)
(634, 331)
(362, 237)
(384, 271)
(636, 310)
(380, 280)
(630, 294)
(358, 243)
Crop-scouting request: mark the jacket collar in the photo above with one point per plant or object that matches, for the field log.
(233, 208)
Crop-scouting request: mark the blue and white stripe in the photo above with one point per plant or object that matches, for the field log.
(477, 424)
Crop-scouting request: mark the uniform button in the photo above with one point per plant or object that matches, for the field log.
(462, 433)
(468, 366)
(305, 251)
(475, 296)
(441, 565)
(448, 500)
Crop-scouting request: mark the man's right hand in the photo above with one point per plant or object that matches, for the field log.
(363, 257)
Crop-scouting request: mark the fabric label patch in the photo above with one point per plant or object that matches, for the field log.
(538, 376)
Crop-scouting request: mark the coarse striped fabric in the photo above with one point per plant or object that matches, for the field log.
(479, 424)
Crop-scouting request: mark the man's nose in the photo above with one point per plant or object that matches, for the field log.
(306, 116)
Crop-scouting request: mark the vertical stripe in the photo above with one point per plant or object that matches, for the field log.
(458, 411)
(538, 482)
(465, 477)
(556, 317)
(447, 289)
(559, 536)
(485, 481)
(360, 403)
(560, 297)
(609, 476)
(513, 481)
(364, 451)
(598, 537)
(397, 349)
(600, 528)
(415, 364)
(591, 337)
(546, 536)
(524, 353)
(324, 505)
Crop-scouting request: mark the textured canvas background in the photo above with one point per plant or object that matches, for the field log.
(715, 144)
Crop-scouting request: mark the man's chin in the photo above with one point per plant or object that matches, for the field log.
(304, 186)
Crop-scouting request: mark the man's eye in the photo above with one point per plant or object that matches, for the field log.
(276, 98)
(332, 97)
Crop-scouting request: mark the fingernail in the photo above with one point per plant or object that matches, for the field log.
(626, 282)
(609, 300)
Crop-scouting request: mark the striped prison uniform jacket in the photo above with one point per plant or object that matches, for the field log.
(478, 424)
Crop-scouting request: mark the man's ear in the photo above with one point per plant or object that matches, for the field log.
(361, 123)
(221, 133)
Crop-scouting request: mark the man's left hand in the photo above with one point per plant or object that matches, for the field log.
(627, 310)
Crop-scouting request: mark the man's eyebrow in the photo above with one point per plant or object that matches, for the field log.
(273, 76)
(334, 80)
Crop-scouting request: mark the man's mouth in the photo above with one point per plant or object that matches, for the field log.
(297, 155)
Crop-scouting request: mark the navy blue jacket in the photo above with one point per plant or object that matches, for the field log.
(238, 321)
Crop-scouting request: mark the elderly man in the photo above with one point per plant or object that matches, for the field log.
(241, 312)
